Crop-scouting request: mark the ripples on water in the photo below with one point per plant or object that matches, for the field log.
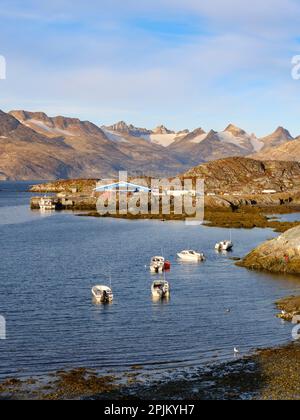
(49, 264)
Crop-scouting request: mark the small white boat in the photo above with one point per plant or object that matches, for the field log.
(102, 294)
(47, 204)
(191, 255)
(159, 264)
(158, 259)
(224, 246)
(160, 289)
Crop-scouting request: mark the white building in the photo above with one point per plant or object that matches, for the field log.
(269, 191)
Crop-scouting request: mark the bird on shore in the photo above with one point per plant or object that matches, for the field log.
(236, 351)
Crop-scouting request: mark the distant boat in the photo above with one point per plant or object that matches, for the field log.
(224, 246)
(191, 256)
(159, 264)
(47, 204)
(102, 294)
(160, 289)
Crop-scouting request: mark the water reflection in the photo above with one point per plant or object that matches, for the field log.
(160, 300)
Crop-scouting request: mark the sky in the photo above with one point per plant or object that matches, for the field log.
(181, 63)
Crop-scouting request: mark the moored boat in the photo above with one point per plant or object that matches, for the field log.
(47, 204)
(159, 264)
(102, 294)
(224, 246)
(191, 255)
(160, 289)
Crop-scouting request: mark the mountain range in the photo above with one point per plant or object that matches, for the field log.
(36, 146)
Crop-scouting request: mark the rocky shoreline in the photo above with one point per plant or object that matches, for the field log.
(272, 374)
(280, 255)
(225, 210)
(290, 309)
(246, 218)
(250, 218)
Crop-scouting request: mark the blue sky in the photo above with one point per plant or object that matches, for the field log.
(181, 63)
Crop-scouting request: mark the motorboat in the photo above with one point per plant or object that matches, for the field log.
(102, 294)
(159, 264)
(47, 204)
(224, 246)
(191, 255)
(160, 289)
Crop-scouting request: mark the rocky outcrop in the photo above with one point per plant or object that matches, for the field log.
(280, 255)
(162, 130)
(290, 309)
(85, 186)
(247, 176)
(123, 128)
(235, 131)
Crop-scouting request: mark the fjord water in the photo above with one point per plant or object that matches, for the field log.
(49, 264)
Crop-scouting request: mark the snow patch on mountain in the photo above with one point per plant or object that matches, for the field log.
(114, 136)
(227, 137)
(199, 139)
(42, 126)
(164, 140)
(242, 139)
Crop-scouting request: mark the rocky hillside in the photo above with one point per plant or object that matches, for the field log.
(281, 255)
(26, 154)
(35, 146)
(227, 180)
(240, 175)
(286, 151)
(279, 137)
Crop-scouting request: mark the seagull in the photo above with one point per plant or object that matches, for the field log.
(228, 311)
(236, 351)
(283, 312)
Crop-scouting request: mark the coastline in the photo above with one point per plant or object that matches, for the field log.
(243, 218)
(270, 374)
(225, 210)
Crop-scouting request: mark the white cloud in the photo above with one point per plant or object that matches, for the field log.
(235, 13)
(102, 69)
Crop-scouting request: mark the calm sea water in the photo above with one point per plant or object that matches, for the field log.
(50, 263)
(293, 217)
